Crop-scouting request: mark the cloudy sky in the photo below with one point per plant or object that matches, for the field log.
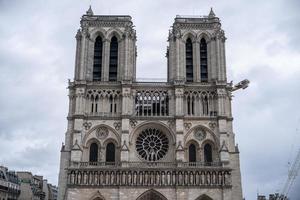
(37, 48)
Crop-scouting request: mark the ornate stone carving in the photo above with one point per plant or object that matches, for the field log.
(179, 146)
(212, 125)
(200, 134)
(102, 132)
(117, 125)
(78, 35)
(129, 32)
(133, 123)
(171, 123)
(187, 126)
(87, 125)
(152, 144)
(176, 32)
(219, 34)
(124, 146)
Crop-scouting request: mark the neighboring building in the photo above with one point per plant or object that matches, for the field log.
(275, 196)
(49, 190)
(31, 186)
(150, 140)
(45, 189)
(52, 192)
(9, 184)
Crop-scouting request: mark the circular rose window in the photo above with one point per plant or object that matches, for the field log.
(152, 144)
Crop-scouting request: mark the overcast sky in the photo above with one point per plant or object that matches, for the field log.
(37, 49)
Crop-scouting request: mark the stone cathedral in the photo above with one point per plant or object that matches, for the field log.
(130, 140)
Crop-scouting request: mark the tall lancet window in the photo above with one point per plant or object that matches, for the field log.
(93, 152)
(189, 60)
(97, 68)
(192, 153)
(113, 59)
(110, 152)
(208, 153)
(203, 60)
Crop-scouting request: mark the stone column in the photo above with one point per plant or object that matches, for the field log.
(126, 112)
(82, 64)
(171, 65)
(196, 61)
(105, 57)
(212, 54)
(210, 70)
(179, 92)
(78, 55)
(223, 59)
(177, 59)
(218, 59)
(179, 140)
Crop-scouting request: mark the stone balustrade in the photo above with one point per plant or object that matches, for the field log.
(147, 174)
(146, 164)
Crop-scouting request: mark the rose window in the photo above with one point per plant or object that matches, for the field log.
(152, 144)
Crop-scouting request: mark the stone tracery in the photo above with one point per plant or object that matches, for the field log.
(104, 102)
(152, 144)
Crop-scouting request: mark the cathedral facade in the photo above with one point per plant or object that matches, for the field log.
(129, 140)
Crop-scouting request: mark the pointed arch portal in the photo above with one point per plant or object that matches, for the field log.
(204, 197)
(151, 195)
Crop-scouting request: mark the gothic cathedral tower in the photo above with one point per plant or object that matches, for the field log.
(129, 140)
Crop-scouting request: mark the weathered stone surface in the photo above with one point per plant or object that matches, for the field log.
(200, 160)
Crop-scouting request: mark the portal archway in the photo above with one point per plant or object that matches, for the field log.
(204, 197)
(151, 195)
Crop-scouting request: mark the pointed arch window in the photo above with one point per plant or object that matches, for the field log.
(192, 153)
(203, 60)
(208, 153)
(189, 60)
(113, 59)
(97, 68)
(93, 153)
(110, 153)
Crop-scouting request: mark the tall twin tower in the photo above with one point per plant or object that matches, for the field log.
(129, 140)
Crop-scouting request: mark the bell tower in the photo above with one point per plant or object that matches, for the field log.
(106, 50)
(196, 52)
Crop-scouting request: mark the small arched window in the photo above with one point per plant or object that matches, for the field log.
(203, 60)
(113, 59)
(192, 153)
(93, 152)
(208, 153)
(110, 152)
(189, 60)
(97, 68)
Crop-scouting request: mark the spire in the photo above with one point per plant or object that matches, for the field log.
(90, 11)
(211, 13)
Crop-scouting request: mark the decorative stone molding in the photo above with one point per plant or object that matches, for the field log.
(87, 125)
(78, 35)
(179, 146)
(117, 125)
(200, 134)
(187, 126)
(171, 123)
(133, 123)
(76, 146)
(124, 146)
(212, 125)
(102, 132)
